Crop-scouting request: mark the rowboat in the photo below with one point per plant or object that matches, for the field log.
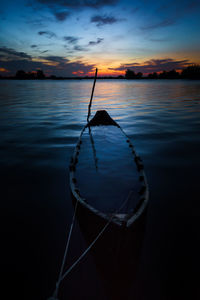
(110, 194)
(109, 187)
(107, 176)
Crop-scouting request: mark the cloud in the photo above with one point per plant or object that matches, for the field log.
(62, 16)
(74, 4)
(171, 12)
(27, 65)
(13, 60)
(79, 48)
(154, 65)
(104, 20)
(54, 58)
(37, 48)
(48, 34)
(93, 43)
(159, 40)
(58, 7)
(9, 53)
(178, 8)
(134, 10)
(71, 39)
(164, 23)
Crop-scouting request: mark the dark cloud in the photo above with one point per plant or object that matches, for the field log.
(159, 40)
(54, 58)
(48, 34)
(93, 43)
(164, 23)
(154, 65)
(178, 8)
(38, 48)
(104, 20)
(26, 65)
(9, 52)
(134, 10)
(71, 39)
(171, 12)
(39, 21)
(73, 4)
(62, 16)
(79, 48)
(58, 7)
(63, 66)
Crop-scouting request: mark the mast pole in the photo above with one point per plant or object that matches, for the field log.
(90, 104)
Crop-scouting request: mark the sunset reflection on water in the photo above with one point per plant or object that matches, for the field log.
(40, 122)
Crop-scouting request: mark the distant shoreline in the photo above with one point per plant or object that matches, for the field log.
(191, 72)
(90, 78)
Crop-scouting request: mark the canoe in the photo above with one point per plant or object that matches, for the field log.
(107, 177)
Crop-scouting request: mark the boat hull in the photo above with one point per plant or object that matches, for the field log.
(118, 181)
(116, 253)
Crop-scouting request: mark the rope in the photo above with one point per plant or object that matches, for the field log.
(61, 277)
(97, 237)
(65, 255)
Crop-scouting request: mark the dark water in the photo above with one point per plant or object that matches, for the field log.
(40, 122)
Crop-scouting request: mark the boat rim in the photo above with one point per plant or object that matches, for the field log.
(129, 218)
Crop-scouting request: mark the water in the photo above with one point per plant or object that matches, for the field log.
(40, 122)
(105, 160)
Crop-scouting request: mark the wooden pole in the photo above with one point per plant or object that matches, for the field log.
(90, 104)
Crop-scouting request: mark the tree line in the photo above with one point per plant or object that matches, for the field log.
(191, 72)
(21, 74)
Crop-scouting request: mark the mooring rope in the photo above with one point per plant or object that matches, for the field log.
(62, 276)
(65, 255)
(97, 237)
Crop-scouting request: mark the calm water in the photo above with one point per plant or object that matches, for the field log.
(40, 122)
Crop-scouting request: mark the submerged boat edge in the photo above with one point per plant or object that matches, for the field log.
(144, 192)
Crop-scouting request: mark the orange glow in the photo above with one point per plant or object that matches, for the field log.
(104, 71)
(78, 72)
(46, 62)
(3, 70)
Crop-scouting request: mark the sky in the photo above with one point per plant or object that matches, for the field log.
(73, 37)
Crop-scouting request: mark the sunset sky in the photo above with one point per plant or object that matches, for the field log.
(72, 37)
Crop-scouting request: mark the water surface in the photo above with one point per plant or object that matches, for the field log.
(40, 122)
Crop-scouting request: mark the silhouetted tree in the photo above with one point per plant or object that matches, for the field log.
(191, 72)
(129, 74)
(31, 75)
(139, 75)
(172, 74)
(21, 74)
(52, 77)
(153, 76)
(40, 74)
(163, 75)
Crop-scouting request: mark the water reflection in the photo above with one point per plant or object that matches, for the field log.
(40, 122)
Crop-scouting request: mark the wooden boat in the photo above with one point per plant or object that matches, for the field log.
(107, 177)
(110, 191)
